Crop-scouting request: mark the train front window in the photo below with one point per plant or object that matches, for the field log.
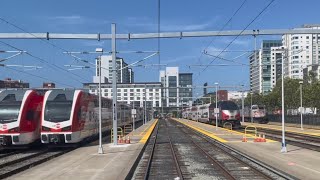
(228, 105)
(9, 112)
(57, 111)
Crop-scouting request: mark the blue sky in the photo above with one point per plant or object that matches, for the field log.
(137, 17)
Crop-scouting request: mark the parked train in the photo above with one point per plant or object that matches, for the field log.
(20, 112)
(257, 113)
(71, 116)
(55, 116)
(228, 113)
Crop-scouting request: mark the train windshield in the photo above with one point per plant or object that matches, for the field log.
(228, 105)
(57, 111)
(9, 112)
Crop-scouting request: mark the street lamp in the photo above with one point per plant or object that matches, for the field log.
(242, 101)
(216, 110)
(100, 149)
(301, 108)
(145, 103)
(251, 114)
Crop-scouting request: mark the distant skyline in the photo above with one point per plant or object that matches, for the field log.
(139, 17)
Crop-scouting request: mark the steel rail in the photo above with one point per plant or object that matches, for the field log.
(174, 156)
(236, 158)
(146, 175)
(226, 173)
(271, 169)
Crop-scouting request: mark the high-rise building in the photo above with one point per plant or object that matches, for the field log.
(185, 90)
(131, 75)
(302, 50)
(177, 86)
(136, 94)
(261, 67)
(124, 75)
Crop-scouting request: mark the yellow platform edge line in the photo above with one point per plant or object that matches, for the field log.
(210, 134)
(146, 136)
(228, 130)
(279, 129)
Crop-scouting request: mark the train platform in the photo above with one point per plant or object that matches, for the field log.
(288, 128)
(85, 163)
(298, 162)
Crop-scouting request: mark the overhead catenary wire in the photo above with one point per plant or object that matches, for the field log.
(252, 21)
(43, 61)
(40, 77)
(52, 44)
(222, 28)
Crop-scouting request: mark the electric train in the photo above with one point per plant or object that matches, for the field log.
(20, 113)
(71, 116)
(228, 113)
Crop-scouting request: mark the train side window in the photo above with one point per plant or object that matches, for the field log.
(30, 115)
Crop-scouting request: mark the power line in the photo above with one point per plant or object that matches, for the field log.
(221, 29)
(39, 76)
(41, 59)
(241, 32)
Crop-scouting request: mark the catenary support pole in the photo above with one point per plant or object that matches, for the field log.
(100, 150)
(114, 85)
(283, 144)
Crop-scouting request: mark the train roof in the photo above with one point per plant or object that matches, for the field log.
(60, 94)
(12, 95)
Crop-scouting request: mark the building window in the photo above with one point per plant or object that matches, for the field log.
(125, 94)
(125, 90)
(131, 90)
(131, 94)
(138, 90)
(131, 98)
(138, 98)
(118, 94)
(125, 98)
(105, 94)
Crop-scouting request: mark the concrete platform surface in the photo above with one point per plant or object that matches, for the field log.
(85, 163)
(299, 162)
(307, 131)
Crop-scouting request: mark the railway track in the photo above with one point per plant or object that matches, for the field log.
(161, 158)
(300, 140)
(176, 151)
(19, 161)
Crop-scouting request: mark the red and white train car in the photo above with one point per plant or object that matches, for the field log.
(20, 112)
(70, 116)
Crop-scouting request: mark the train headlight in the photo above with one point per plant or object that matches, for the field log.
(14, 130)
(45, 128)
(68, 128)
